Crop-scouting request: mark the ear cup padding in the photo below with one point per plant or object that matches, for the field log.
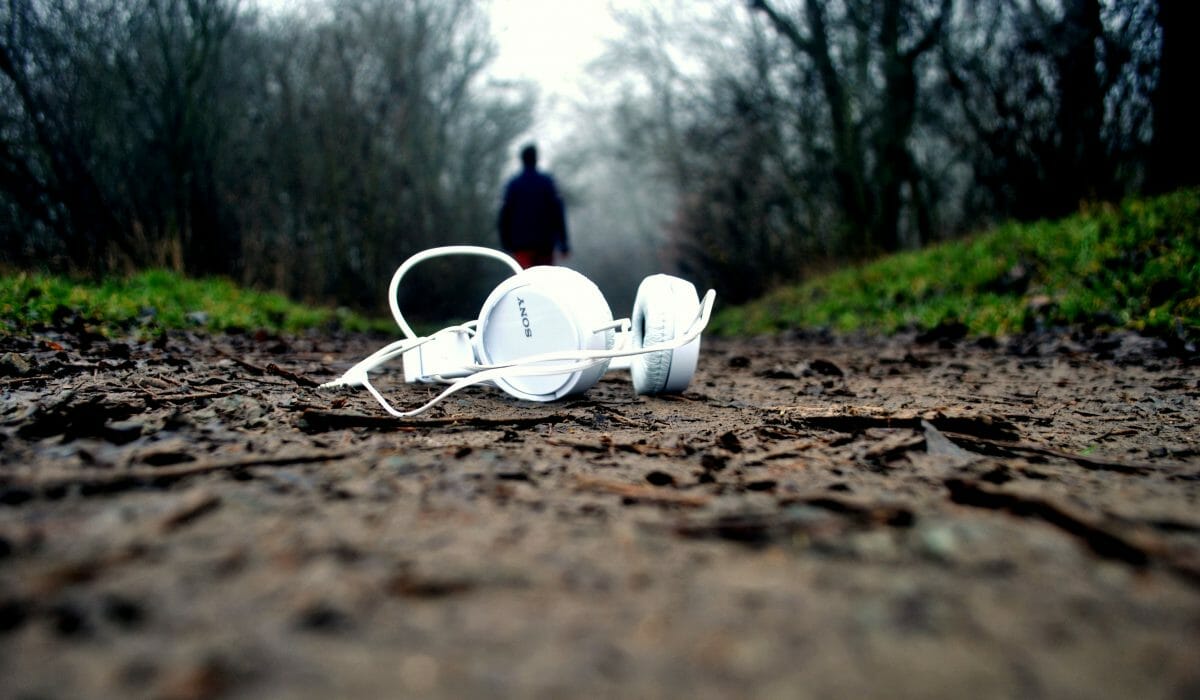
(664, 307)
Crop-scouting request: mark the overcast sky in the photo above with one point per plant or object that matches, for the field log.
(548, 42)
(551, 43)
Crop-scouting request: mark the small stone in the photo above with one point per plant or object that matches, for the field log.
(322, 617)
(419, 673)
(69, 620)
(120, 432)
(13, 614)
(122, 611)
(400, 465)
(940, 542)
(874, 545)
(825, 367)
(364, 487)
(729, 440)
(658, 478)
(200, 679)
(14, 365)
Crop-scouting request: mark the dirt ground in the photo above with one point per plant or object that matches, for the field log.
(817, 517)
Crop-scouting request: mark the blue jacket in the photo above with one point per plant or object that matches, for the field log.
(532, 216)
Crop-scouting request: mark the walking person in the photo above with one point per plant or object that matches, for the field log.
(532, 222)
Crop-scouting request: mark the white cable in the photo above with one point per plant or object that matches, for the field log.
(692, 332)
(533, 365)
(477, 378)
(394, 287)
(356, 375)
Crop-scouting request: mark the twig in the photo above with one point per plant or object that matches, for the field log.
(186, 398)
(1094, 463)
(605, 444)
(22, 380)
(868, 512)
(272, 369)
(316, 421)
(679, 397)
(281, 372)
(1139, 550)
(96, 481)
(189, 508)
(618, 418)
(1116, 432)
(760, 528)
(981, 426)
(249, 366)
(637, 492)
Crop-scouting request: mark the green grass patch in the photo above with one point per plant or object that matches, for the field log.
(159, 299)
(1136, 266)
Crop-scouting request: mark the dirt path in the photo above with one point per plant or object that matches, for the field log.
(817, 517)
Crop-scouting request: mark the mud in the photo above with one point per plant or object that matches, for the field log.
(817, 516)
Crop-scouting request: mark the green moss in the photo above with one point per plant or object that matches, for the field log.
(1136, 266)
(160, 299)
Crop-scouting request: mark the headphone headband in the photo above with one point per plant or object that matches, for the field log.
(441, 251)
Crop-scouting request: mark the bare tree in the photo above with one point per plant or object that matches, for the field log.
(698, 110)
(307, 154)
(752, 138)
(1055, 98)
(872, 157)
(842, 128)
(48, 164)
(794, 140)
(175, 113)
(115, 128)
(1175, 157)
(381, 142)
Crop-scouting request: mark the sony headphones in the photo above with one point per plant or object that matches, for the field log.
(547, 332)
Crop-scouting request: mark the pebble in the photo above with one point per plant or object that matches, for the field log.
(14, 365)
(940, 542)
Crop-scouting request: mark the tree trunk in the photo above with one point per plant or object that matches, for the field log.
(1175, 149)
(1083, 171)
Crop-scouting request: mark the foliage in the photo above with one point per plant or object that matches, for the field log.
(158, 299)
(1135, 266)
(308, 151)
(793, 129)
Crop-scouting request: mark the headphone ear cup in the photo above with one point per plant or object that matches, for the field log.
(664, 307)
(544, 310)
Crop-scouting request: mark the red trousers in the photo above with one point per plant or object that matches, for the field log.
(530, 258)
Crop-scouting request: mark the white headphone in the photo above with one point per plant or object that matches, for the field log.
(547, 332)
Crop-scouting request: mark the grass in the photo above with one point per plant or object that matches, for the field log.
(158, 299)
(1135, 266)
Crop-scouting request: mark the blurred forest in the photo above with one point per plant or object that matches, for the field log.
(741, 143)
